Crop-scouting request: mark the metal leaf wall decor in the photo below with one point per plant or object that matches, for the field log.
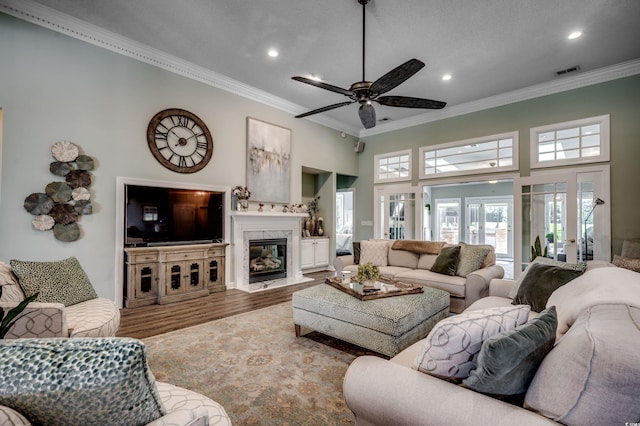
(63, 202)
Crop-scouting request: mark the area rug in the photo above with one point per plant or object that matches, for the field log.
(257, 369)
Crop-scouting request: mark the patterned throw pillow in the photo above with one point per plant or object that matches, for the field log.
(63, 281)
(626, 263)
(375, 252)
(580, 266)
(471, 258)
(451, 349)
(508, 361)
(79, 381)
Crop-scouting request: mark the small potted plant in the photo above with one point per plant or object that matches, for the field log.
(368, 274)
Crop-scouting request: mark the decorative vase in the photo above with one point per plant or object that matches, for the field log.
(311, 226)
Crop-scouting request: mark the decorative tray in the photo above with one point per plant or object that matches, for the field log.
(388, 289)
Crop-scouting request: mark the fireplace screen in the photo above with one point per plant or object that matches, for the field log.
(267, 259)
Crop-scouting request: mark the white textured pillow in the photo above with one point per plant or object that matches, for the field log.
(375, 252)
(450, 351)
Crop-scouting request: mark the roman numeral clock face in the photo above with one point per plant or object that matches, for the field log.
(179, 140)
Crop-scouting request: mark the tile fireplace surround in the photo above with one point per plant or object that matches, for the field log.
(266, 225)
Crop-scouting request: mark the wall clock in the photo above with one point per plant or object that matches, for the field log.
(179, 140)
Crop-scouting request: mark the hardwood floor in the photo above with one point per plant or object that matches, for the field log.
(152, 320)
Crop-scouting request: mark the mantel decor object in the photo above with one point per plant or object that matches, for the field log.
(241, 194)
(61, 204)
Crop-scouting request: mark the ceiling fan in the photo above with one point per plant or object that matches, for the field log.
(364, 92)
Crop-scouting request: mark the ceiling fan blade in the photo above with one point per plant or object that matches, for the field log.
(396, 76)
(323, 109)
(409, 102)
(325, 86)
(367, 115)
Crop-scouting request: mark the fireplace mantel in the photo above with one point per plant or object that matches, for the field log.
(264, 225)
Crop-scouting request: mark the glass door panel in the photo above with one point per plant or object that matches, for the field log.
(547, 216)
(568, 210)
(399, 220)
(489, 221)
(448, 220)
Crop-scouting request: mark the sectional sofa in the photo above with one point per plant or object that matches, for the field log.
(466, 277)
(590, 376)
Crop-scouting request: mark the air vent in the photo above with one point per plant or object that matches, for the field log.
(568, 70)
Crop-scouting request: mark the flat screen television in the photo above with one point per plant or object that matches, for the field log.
(168, 216)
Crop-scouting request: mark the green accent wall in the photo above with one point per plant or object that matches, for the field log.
(618, 98)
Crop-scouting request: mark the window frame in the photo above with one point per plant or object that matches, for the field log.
(515, 157)
(376, 164)
(602, 120)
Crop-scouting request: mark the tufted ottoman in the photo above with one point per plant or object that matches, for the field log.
(386, 326)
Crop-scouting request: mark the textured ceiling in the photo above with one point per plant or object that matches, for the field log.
(490, 47)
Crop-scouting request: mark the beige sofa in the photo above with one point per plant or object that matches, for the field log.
(590, 377)
(412, 264)
(97, 317)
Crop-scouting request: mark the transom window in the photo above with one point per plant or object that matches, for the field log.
(472, 156)
(393, 166)
(571, 142)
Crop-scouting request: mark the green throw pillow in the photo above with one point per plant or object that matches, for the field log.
(81, 381)
(540, 282)
(63, 281)
(508, 361)
(580, 266)
(356, 252)
(447, 261)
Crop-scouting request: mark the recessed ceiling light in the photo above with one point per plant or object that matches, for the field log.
(446, 77)
(273, 53)
(574, 35)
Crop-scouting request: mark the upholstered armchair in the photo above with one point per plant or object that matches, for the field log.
(95, 317)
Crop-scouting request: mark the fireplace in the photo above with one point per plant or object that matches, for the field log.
(250, 226)
(267, 259)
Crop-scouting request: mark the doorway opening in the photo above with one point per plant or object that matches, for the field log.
(473, 212)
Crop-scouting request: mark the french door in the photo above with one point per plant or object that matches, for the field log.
(568, 211)
(489, 220)
(397, 214)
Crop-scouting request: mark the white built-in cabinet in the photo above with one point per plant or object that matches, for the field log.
(314, 253)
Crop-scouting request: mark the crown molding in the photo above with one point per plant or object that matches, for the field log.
(614, 72)
(44, 16)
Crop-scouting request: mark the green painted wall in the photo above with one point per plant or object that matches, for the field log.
(618, 98)
(53, 87)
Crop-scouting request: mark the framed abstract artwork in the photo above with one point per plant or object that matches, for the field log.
(268, 162)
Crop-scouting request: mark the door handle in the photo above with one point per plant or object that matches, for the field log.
(570, 241)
